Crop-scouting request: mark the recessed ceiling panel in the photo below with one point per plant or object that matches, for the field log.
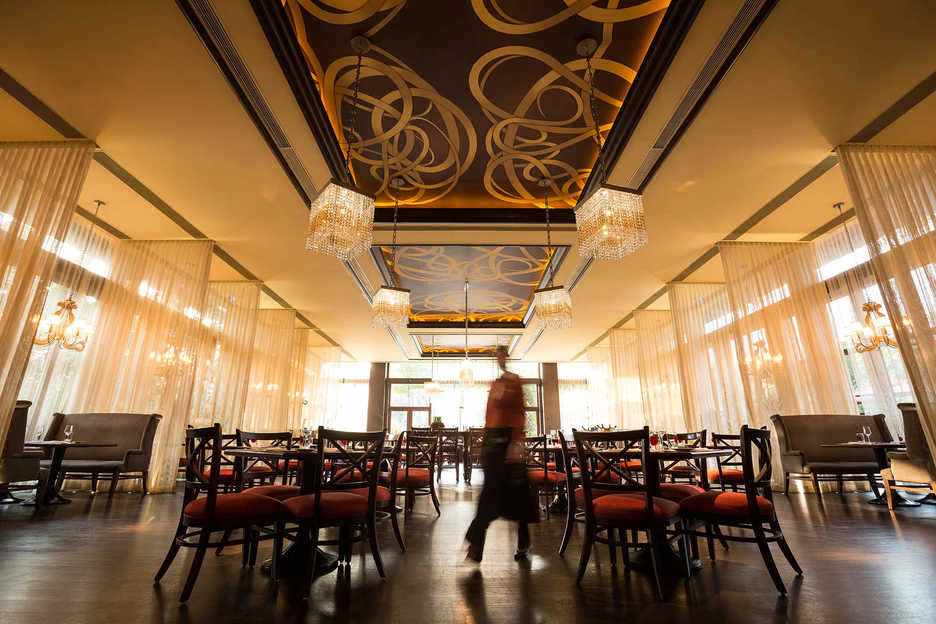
(453, 345)
(501, 281)
(472, 102)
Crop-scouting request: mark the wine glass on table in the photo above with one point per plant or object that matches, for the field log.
(866, 430)
(69, 432)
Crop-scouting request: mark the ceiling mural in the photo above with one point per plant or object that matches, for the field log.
(501, 279)
(453, 345)
(472, 101)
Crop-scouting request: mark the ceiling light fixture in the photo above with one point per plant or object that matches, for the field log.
(876, 329)
(432, 387)
(610, 221)
(391, 306)
(553, 303)
(341, 217)
(61, 327)
(466, 373)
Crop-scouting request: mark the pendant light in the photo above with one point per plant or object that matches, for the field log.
(876, 329)
(341, 217)
(432, 387)
(466, 373)
(391, 305)
(553, 303)
(610, 221)
(61, 327)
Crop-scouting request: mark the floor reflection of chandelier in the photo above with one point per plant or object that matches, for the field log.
(874, 332)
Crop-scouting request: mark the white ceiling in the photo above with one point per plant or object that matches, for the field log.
(135, 78)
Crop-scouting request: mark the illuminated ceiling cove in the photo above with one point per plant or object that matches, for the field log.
(471, 102)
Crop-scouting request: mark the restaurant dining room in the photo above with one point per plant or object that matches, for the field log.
(301, 301)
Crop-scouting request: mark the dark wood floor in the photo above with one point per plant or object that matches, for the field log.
(93, 561)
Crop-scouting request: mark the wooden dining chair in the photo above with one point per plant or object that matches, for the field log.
(336, 497)
(749, 511)
(203, 515)
(728, 473)
(621, 504)
(576, 499)
(415, 474)
(546, 481)
(451, 451)
(682, 470)
(387, 503)
(261, 470)
(473, 445)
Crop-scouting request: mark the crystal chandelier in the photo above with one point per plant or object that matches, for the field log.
(874, 332)
(61, 327)
(466, 372)
(391, 305)
(341, 218)
(610, 221)
(876, 328)
(553, 304)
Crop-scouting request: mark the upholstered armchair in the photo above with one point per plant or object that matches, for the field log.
(912, 470)
(17, 465)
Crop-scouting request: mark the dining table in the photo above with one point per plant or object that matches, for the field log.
(58, 448)
(880, 449)
(294, 560)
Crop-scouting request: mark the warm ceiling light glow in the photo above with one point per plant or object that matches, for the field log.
(610, 224)
(391, 307)
(341, 222)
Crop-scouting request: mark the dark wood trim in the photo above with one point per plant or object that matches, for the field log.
(191, 14)
(37, 107)
(666, 42)
(723, 69)
(279, 33)
(409, 214)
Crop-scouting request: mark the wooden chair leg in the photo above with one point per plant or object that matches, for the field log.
(245, 545)
(768, 558)
(145, 479)
(396, 526)
(310, 535)
(570, 522)
(277, 550)
(113, 484)
(655, 563)
(224, 539)
(710, 541)
(94, 483)
(196, 565)
(841, 483)
(889, 493)
(173, 551)
(586, 552)
(254, 546)
(625, 548)
(786, 483)
(435, 499)
(785, 548)
(815, 483)
(718, 534)
(612, 547)
(872, 483)
(683, 547)
(374, 546)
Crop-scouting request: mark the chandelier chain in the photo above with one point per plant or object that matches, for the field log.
(352, 122)
(84, 252)
(593, 103)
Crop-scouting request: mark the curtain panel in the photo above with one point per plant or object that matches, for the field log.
(601, 392)
(84, 262)
(267, 406)
(141, 357)
(322, 387)
(710, 377)
(879, 374)
(894, 191)
(625, 372)
(225, 352)
(658, 362)
(299, 369)
(39, 187)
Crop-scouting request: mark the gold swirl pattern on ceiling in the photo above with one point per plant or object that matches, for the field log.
(501, 279)
(443, 77)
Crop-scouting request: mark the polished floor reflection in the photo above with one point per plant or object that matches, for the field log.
(93, 561)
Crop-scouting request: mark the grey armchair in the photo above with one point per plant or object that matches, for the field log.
(132, 433)
(912, 470)
(18, 466)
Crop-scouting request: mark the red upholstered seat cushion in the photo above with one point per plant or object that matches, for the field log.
(225, 475)
(279, 492)
(682, 469)
(414, 477)
(632, 465)
(538, 477)
(728, 504)
(580, 495)
(335, 506)
(552, 466)
(383, 494)
(607, 477)
(678, 491)
(344, 474)
(258, 468)
(294, 464)
(236, 506)
(615, 508)
(730, 476)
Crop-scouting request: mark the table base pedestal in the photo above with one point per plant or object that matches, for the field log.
(295, 560)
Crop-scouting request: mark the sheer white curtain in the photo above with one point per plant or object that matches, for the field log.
(658, 363)
(880, 378)
(141, 356)
(322, 386)
(894, 190)
(83, 264)
(787, 345)
(576, 406)
(222, 371)
(603, 405)
(713, 393)
(625, 370)
(268, 393)
(39, 186)
(299, 370)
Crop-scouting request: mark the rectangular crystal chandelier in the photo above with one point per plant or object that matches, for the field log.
(341, 222)
(610, 223)
(391, 307)
(553, 307)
